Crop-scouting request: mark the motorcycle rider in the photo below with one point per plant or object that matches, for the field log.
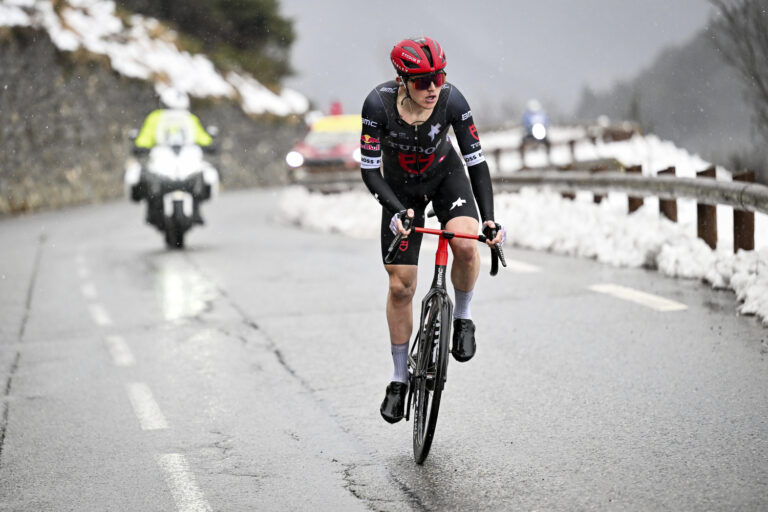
(175, 126)
(535, 123)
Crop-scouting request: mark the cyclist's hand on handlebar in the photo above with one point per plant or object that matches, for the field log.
(396, 224)
(495, 233)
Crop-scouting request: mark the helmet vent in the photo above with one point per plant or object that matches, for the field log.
(428, 52)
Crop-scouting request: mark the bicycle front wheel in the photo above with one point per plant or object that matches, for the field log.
(429, 373)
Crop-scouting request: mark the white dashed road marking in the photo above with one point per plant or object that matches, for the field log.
(180, 480)
(118, 349)
(146, 409)
(645, 299)
(99, 314)
(182, 484)
(82, 267)
(89, 290)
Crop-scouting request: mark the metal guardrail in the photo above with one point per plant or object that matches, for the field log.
(745, 196)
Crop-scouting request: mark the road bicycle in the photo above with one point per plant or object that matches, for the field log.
(428, 357)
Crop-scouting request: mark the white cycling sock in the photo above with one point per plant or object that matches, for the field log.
(400, 358)
(461, 308)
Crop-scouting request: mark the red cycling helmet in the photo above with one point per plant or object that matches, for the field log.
(417, 56)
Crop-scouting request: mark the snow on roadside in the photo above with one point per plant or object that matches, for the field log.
(141, 48)
(542, 220)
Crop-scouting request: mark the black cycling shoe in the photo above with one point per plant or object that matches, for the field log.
(393, 406)
(464, 345)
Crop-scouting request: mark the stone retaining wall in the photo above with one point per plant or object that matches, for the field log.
(64, 122)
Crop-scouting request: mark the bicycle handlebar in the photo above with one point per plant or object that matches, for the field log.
(497, 253)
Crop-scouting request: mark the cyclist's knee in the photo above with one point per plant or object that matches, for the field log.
(464, 251)
(402, 286)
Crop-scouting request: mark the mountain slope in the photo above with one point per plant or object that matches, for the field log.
(688, 95)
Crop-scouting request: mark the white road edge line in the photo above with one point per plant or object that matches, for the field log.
(99, 314)
(120, 352)
(146, 408)
(182, 484)
(646, 299)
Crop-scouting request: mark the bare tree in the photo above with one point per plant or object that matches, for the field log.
(740, 33)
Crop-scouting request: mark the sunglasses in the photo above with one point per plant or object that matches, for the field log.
(422, 83)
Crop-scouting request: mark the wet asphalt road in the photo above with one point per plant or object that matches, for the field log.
(245, 373)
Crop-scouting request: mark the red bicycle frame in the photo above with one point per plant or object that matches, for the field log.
(441, 258)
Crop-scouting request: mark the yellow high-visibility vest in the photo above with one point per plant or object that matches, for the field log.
(170, 127)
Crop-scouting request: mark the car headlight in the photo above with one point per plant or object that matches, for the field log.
(357, 155)
(294, 159)
(539, 131)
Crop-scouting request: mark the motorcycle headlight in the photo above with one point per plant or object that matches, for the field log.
(357, 155)
(294, 159)
(539, 131)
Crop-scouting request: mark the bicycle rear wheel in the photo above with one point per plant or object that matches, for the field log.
(429, 373)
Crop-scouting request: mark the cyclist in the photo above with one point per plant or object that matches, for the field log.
(405, 134)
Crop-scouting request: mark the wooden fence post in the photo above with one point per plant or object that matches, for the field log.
(548, 147)
(706, 214)
(597, 198)
(634, 203)
(743, 221)
(567, 195)
(668, 207)
(572, 147)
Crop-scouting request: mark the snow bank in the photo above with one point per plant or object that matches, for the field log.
(543, 220)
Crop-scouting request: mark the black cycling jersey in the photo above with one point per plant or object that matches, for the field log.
(412, 154)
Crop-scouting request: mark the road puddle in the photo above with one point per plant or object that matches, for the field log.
(183, 292)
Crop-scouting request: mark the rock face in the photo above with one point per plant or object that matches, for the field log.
(64, 122)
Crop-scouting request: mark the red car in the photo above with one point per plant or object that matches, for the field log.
(332, 144)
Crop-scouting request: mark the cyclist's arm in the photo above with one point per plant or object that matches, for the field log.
(463, 124)
(370, 154)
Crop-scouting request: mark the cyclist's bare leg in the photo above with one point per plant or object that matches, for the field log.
(464, 273)
(466, 258)
(402, 286)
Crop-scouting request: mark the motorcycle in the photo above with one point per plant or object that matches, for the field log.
(536, 128)
(174, 181)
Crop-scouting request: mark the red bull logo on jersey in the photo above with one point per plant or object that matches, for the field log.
(369, 143)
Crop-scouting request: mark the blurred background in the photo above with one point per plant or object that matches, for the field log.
(77, 75)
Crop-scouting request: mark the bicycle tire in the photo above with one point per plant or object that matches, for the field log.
(429, 373)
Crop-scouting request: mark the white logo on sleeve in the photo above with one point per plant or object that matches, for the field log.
(434, 131)
(459, 202)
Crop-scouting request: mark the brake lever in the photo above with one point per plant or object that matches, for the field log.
(497, 253)
(390, 257)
